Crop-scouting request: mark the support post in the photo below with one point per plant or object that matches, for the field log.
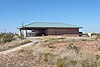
(26, 32)
(20, 33)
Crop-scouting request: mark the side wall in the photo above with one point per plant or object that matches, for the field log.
(64, 31)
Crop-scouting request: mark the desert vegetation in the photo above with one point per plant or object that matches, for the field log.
(13, 44)
(55, 52)
(8, 41)
(6, 37)
(98, 36)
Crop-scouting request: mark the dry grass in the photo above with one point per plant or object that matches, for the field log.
(13, 44)
(69, 54)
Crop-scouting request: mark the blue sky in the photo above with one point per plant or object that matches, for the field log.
(84, 13)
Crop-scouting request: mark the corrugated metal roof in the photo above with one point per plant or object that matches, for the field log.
(49, 25)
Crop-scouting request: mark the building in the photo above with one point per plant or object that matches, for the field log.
(48, 28)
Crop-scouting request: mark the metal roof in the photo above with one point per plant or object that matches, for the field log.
(49, 25)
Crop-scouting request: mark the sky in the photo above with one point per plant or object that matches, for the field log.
(85, 13)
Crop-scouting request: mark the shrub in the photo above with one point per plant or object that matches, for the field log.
(98, 36)
(60, 62)
(85, 63)
(51, 46)
(94, 64)
(72, 62)
(72, 46)
(54, 40)
(97, 57)
(84, 39)
(7, 38)
(1, 35)
(94, 33)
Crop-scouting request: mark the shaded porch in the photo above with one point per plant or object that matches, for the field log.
(31, 32)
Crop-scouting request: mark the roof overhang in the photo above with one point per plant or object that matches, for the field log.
(47, 27)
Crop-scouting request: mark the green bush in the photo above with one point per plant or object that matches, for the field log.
(6, 37)
(98, 36)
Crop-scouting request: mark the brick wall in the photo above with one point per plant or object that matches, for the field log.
(64, 31)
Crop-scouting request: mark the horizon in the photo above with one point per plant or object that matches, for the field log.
(84, 13)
